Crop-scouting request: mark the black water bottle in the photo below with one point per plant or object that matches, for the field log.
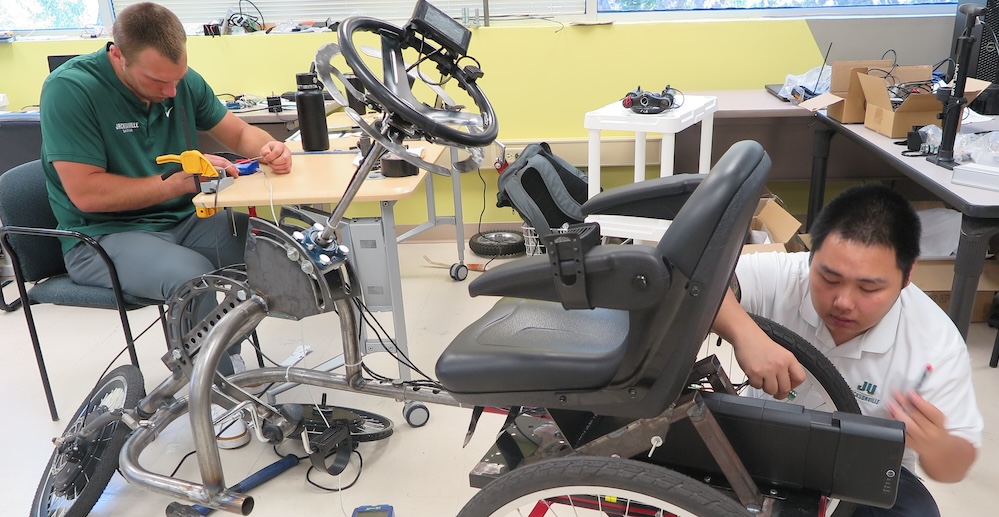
(311, 113)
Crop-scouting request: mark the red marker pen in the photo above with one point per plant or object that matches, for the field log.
(926, 373)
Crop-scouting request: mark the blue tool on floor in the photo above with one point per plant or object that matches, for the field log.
(252, 481)
(380, 510)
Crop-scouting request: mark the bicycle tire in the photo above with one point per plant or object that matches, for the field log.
(365, 426)
(628, 487)
(814, 362)
(499, 243)
(824, 373)
(71, 488)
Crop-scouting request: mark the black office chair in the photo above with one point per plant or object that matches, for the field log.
(20, 142)
(28, 237)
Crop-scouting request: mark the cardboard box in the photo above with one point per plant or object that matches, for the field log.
(780, 227)
(935, 277)
(849, 109)
(917, 109)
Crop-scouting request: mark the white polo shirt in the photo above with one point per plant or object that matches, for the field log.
(890, 357)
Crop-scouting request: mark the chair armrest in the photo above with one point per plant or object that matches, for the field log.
(617, 277)
(659, 198)
(7, 231)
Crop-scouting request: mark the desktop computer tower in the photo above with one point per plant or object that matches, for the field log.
(984, 62)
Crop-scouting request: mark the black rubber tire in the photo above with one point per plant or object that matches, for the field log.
(825, 374)
(814, 362)
(101, 460)
(606, 476)
(499, 243)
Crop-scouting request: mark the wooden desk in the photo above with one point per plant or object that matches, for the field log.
(757, 103)
(979, 207)
(314, 178)
(317, 178)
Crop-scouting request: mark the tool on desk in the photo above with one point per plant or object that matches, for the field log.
(195, 163)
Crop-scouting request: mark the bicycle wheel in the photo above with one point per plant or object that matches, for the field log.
(824, 388)
(364, 425)
(79, 470)
(598, 487)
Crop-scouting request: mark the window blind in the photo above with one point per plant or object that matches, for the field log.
(282, 11)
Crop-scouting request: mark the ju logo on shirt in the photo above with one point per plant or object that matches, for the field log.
(126, 127)
(868, 387)
(866, 392)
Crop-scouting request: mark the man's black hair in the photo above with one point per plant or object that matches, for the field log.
(872, 215)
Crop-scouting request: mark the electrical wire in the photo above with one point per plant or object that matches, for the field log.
(240, 5)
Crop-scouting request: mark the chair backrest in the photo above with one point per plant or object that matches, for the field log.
(702, 245)
(24, 202)
(20, 139)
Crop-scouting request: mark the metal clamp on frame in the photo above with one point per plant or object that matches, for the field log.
(565, 255)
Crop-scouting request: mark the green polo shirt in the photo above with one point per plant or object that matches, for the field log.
(89, 116)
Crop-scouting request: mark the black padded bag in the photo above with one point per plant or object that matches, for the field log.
(544, 189)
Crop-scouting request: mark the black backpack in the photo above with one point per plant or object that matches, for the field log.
(544, 189)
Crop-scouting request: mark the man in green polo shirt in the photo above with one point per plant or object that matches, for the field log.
(105, 118)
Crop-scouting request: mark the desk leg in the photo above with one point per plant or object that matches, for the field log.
(593, 164)
(395, 283)
(707, 137)
(640, 141)
(974, 242)
(667, 155)
(459, 227)
(820, 162)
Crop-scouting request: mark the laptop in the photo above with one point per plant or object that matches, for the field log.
(57, 61)
(774, 90)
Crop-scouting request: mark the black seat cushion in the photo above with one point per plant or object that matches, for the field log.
(531, 345)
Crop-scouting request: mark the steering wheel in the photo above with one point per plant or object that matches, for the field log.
(394, 93)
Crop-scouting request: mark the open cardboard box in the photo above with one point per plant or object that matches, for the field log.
(918, 109)
(845, 100)
(780, 227)
(935, 277)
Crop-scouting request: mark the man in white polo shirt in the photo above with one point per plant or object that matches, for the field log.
(851, 298)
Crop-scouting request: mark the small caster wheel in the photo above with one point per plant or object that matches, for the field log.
(459, 271)
(416, 414)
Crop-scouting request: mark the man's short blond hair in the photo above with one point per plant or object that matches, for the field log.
(148, 25)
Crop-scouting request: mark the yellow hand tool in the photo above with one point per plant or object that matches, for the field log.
(194, 163)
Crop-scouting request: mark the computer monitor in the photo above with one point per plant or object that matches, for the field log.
(57, 61)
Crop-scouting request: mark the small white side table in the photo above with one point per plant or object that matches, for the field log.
(614, 116)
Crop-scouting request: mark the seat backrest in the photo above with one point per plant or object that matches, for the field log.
(24, 202)
(702, 246)
(20, 139)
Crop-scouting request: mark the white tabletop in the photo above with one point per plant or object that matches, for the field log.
(615, 116)
(972, 201)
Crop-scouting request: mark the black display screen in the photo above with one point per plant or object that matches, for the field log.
(441, 28)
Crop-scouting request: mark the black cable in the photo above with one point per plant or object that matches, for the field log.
(406, 362)
(240, 4)
(483, 212)
(894, 57)
(360, 465)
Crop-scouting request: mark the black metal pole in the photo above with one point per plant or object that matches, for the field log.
(953, 99)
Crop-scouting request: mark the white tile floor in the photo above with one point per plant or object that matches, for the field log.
(421, 472)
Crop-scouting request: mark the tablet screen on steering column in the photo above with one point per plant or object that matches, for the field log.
(441, 28)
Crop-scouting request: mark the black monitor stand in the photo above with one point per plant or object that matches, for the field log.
(953, 98)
